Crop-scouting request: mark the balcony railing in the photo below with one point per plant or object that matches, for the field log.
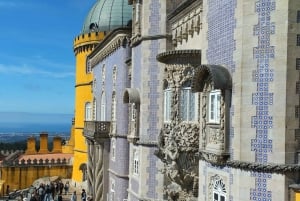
(96, 130)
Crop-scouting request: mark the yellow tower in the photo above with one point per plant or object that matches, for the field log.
(103, 17)
(83, 46)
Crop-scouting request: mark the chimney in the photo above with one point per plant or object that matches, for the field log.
(43, 143)
(30, 146)
(57, 148)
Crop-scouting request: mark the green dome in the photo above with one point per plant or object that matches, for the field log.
(107, 15)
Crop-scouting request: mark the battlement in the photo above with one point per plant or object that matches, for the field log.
(88, 39)
(37, 160)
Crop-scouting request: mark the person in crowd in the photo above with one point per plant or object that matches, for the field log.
(61, 187)
(74, 196)
(83, 195)
(41, 192)
(66, 188)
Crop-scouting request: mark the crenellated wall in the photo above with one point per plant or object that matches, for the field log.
(19, 170)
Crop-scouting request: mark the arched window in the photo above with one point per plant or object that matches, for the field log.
(219, 190)
(103, 107)
(188, 103)
(88, 111)
(214, 106)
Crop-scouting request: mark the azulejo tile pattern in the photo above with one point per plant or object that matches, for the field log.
(153, 95)
(221, 46)
(262, 99)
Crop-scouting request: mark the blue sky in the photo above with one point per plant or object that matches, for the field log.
(37, 64)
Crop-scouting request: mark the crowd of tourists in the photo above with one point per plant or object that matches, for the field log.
(49, 192)
(53, 191)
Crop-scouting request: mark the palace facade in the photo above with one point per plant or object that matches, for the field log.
(191, 100)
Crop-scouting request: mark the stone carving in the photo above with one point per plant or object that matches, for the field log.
(178, 140)
(178, 150)
(212, 147)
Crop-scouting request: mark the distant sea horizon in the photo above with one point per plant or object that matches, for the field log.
(16, 126)
(13, 132)
(34, 127)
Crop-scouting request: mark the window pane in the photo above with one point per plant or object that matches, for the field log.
(212, 107)
(167, 105)
(183, 104)
(218, 108)
(192, 106)
(216, 197)
(222, 198)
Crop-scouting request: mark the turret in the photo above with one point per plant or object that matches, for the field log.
(43, 143)
(31, 149)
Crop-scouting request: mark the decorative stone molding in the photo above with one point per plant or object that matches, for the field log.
(136, 40)
(251, 166)
(185, 25)
(266, 168)
(111, 43)
(191, 57)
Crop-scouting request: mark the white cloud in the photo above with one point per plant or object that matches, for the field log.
(28, 70)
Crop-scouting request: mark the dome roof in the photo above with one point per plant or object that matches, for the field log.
(107, 15)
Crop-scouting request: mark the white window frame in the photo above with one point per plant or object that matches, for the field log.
(88, 111)
(214, 106)
(113, 149)
(167, 104)
(103, 107)
(189, 107)
(136, 162)
(219, 190)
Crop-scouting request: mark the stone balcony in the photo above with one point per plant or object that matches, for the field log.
(96, 130)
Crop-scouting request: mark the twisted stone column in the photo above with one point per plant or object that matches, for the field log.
(98, 173)
(90, 167)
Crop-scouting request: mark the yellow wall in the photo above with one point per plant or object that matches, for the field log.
(83, 46)
(23, 177)
(69, 147)
(297, 196)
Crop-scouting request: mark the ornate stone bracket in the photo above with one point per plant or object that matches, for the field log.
(214, 158)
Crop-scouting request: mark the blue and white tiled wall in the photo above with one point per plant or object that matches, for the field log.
(262, 99)
(221, 46)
